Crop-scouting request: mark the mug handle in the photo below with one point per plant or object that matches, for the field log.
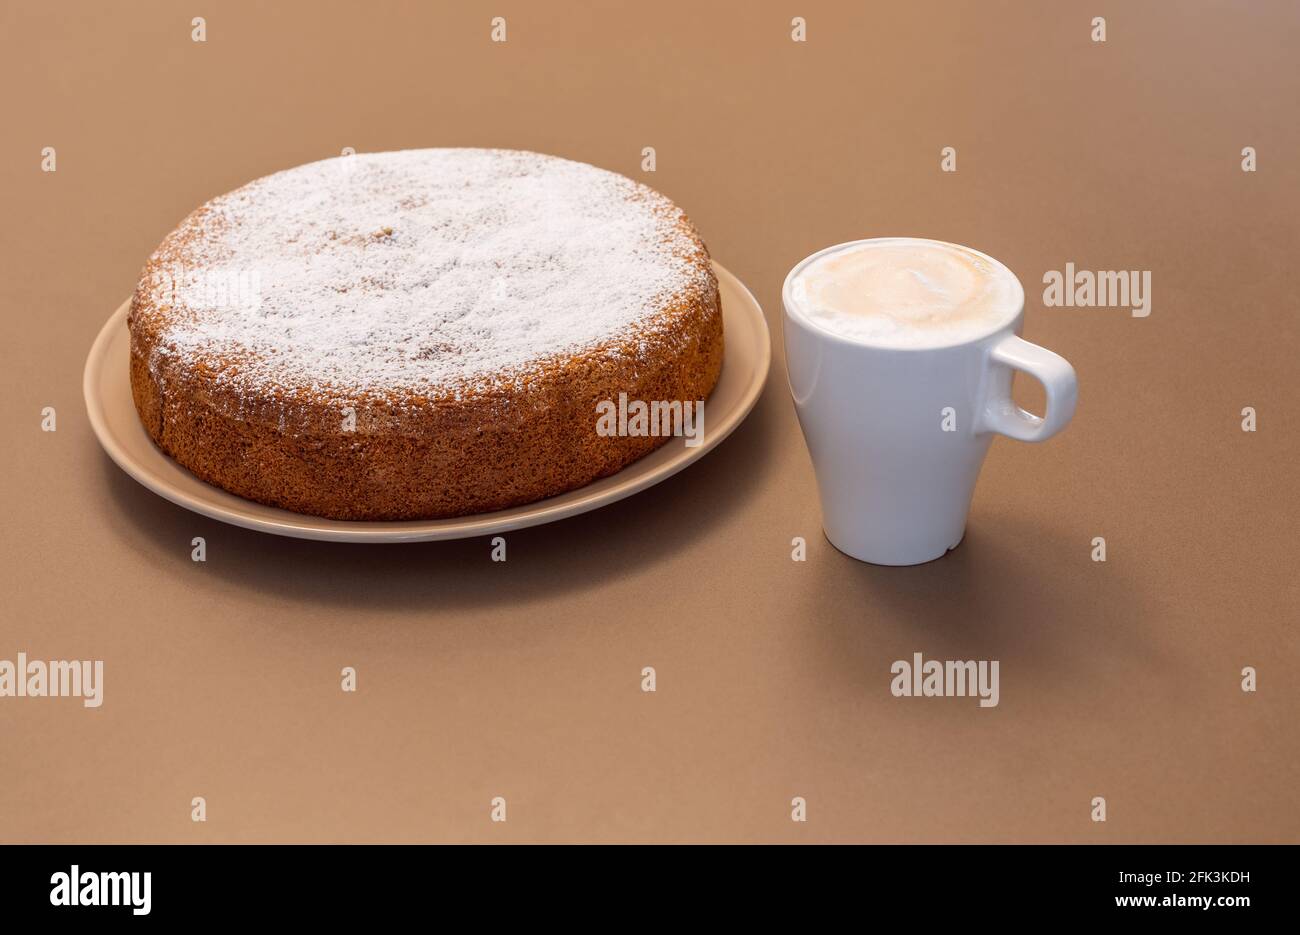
(1001, 414)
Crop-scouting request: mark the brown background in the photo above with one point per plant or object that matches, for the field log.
(522, 680)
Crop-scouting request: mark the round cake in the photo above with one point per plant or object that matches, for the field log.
(420, 334)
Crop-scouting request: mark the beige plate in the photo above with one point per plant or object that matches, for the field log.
(107, 387)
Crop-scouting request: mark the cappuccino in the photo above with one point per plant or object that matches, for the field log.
(904, 292)
(901, 355)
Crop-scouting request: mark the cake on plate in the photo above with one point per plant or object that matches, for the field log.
(420, 334)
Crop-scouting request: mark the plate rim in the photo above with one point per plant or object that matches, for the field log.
(305, 526)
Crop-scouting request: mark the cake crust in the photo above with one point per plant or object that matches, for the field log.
(256, 402)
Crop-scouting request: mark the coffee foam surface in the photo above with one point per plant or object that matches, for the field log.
(904, 292)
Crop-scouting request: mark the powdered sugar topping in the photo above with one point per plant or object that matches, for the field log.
(427, 271)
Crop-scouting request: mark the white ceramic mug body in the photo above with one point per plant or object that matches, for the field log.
(898, 435)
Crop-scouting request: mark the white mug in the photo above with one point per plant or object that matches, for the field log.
(898, 435)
